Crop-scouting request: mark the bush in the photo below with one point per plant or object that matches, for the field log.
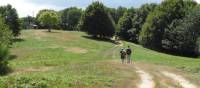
(5, 40)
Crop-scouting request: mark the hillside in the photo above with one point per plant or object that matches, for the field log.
(65, 59)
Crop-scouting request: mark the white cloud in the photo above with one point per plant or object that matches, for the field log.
(25, 8)
(197, 1)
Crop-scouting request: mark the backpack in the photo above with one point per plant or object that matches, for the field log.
(128, 51)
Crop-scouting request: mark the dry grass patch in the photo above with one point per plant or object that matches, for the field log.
(31, 69)
(76, 50)
(58, 35)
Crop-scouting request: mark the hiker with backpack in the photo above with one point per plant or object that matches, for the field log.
(128, 53)
(123, 55)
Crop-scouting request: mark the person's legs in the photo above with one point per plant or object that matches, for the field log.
(122, 60)
(128, 58)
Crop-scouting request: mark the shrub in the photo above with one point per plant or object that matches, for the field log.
(5, 40)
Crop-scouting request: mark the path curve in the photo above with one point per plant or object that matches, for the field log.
(183, 82)
(146, 79)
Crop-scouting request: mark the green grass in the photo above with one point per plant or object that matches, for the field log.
(68, 67)
(189, 65)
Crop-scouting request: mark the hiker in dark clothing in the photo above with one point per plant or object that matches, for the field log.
(128, 52)
(123, 55)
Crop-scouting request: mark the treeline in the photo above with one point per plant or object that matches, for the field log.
(170, 26)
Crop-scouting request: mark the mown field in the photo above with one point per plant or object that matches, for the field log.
(65, 59)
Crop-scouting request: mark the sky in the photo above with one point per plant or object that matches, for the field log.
(31, 7)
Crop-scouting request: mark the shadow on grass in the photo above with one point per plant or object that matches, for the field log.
(52, 31)
(179, 53)
(170, 52)
(12, 57)
(17, 40)
(101, 39)
(5, 70)
(175, 53)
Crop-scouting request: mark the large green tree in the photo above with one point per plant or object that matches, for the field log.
(182, 35)
(11, 18)
(97, 22)
(117, 13)
(37, 18)
(153, 30)
(70, 18)
(185, 36)
(49, 19)
(125, 24)
(139, 20)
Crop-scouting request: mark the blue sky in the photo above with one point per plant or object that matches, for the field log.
(31, 7)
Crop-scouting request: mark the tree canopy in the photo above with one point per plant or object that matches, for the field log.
(70, 18)
(49, 19)
(156, 22)
(11, 18)
(97, 22)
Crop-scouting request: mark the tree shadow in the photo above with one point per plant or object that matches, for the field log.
(17, 40)
(175, 53)
(169, 52)
(12, 57)
(101, 39)
(51, 31)
(179, 53)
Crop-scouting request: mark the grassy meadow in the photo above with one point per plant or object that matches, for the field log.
(67, 59)
(63, 59)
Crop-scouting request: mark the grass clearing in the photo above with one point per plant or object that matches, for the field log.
(67, 59)
(63, 59)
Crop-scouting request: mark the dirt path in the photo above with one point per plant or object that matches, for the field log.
(153, 76)
(146, 79)
(183, 82)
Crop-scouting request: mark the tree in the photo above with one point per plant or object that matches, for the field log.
(139, 20)
(27, 22)
(183, 36)
(49, 19)
(70, 18)
(131, 11)
(153, 29)
(125, 24)
(97, 22)
(11, 18)
(5, 40)
(37, 18)
(117, 13)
